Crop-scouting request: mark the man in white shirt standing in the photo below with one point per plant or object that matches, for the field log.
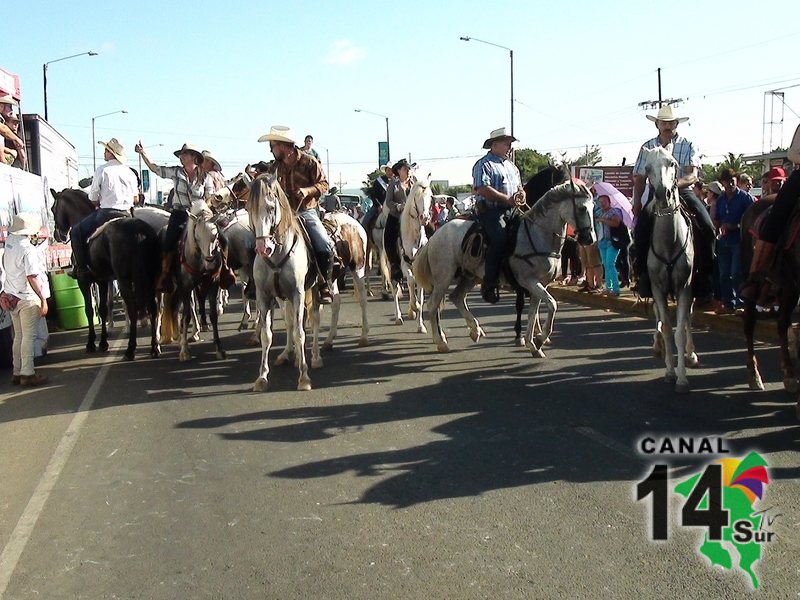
(114, 191)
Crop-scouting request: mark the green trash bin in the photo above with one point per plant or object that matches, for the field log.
(69, 301)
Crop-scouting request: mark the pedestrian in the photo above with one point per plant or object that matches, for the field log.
(688, 158)
(498, 188)
(307, 143)
(114, 192)
(396, 195)
(303, 181)
(23, 296)
(727, 217)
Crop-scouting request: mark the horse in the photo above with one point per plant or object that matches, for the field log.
(415, 217)
(375, 248)
(282, 271)
(669, 264)
(456, 253)
(351, 243)
(197, 264)
(124, 249)
(785, 275)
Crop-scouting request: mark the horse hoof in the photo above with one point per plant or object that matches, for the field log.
(363, 342)
(756, 383)
(442, 348)
(537, 353)
(518, 341)
(204, 328)
(184, 356)
(370, 294)
(317, 364)
(155, 353)
(422, 329)
(221, 355)
(195, 337)
(692, 361)
(412, 315)
(261, 385)
(242, 327)
(398, 321)
(91, 348)
(103, 346)
(327, 346)
(304, 386)
(681, 388)
(670, 378)
(129, 355)
(790, 385)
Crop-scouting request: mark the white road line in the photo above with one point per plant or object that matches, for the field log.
(24, 529)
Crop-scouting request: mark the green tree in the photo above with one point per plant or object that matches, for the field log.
(529, 162)
(366, 186)
(588, 158)
(455, 190)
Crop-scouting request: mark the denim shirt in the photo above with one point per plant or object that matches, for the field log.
(498, 173)
(730, 210)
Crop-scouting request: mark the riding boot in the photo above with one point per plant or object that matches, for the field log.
(325, 265)
(641, 236)
(165, 279)
(703, 285)
(754, 288)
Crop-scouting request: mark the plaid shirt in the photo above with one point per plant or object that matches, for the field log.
(305, 173)
(186, 193)
(498, 173)
(682, 149)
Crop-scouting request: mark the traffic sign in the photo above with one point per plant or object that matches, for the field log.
(383, 153)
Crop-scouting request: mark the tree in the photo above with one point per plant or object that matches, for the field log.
(709, 173)
(529, 162)
(588, 158)
(366, 186)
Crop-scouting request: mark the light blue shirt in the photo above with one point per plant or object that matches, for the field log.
(682, 149)
(498, 173)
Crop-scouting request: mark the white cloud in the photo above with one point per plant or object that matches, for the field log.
(344, 52)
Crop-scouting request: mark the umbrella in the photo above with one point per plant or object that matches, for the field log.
(618, 200)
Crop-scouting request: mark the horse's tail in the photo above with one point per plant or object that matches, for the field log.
(422, 269)
(147, 266)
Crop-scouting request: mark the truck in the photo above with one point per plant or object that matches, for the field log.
(50, 154)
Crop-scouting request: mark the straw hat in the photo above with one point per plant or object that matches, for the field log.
(8, 99)
(715, 188)
(25, 223)
(497, 134)
(207, 155)
(115, 147)
(279, 133)
(665, 114)
(191, 150)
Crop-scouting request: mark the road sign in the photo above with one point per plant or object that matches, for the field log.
(383, 153)
(145, 180)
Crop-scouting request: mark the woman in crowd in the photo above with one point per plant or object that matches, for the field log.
(609, 217)
(396, 194)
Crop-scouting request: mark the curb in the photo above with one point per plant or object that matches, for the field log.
(766, 330)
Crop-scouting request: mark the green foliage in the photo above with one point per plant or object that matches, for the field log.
(530, 161)
(366, 186)
(455, 190)
(588, 158)
(436, 189)
(709, 173)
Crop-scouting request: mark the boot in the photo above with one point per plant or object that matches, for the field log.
(165, 279)
(762, 260)
(32, 380)
(490, 293)
(325, 265)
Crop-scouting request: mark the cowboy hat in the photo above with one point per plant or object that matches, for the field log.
(497, 134)
(385, 166)
(8, 99)
(776, 174)
(400, 164)
(208, 156)
(113, 145)
(665, 114)
(715, 188)
(279, 133)
(25, 223)
(191, 150)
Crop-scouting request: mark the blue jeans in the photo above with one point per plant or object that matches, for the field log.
(730, 270)
(492, 220)
(609, 255)
(316, 231)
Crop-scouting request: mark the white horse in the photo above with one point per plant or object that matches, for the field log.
(415, 216)
(375, 250)
(669, 264)
(456, 253)
(281, 272)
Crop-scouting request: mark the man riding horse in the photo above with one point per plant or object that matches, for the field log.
(688, 161)
(377, 193)
(114, 191)
(303, 181)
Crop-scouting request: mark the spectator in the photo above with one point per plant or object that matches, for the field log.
(745, 182)
(307, 143)
(570, 261)
(18, 161)
(23, 296)
(772, 182)
(609, 217)
(13, 145)
(452, 212)
(730, 207)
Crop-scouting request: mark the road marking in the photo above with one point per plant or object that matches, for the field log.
(24, 529)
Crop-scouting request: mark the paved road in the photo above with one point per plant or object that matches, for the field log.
(404, 473)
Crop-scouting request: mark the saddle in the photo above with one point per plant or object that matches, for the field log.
(476, 241)
(788, 239)
(341, 250)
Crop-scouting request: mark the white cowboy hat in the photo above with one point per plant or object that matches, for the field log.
(25, 223)
(8, 99)
(115, 147)
(191, 150)
(665, 114)
(209, 156)
(386, 166)
(279, 133)
(497, 134)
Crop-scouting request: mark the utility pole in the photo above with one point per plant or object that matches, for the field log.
(650, 104)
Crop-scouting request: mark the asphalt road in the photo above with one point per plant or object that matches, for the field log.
(404, 473)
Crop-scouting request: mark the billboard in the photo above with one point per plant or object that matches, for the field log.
(620, 177)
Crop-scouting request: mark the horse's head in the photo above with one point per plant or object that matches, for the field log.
(204, 234)
(543, 181)
(575, 206)
(662, 172)
(269, 212)
(419, 201)
(69, 207)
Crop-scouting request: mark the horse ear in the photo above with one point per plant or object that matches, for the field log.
(54, 194)
(246, 177)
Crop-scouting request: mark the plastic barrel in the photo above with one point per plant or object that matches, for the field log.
(69, 301)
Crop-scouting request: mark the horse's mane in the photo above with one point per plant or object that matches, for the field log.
(419, 184)
(539, 184)
(558, 194)
(76, 195)
(266, 184)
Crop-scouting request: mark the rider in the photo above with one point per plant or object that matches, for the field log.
(114, 191)
(688, 160)
(377, 193)
(301, 177)
(498, 188)
(775, 223)
(396, 195)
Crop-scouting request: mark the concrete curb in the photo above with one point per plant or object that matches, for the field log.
(766, 330)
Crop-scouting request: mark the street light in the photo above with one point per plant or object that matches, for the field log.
(94, 142)
(511, 56)
(44, 74)
(369, 112)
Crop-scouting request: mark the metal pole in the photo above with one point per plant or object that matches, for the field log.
(327, 162)
(44, 77)
(511, 55)
(659, 87)
(94, 152)
(388, 152)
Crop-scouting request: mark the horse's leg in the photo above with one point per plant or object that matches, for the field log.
(435, 300)
(132, 312)
(184, 355)
(288, 318)
(153, 309)
(539, 295)
(314, 316)
(683, 311)
(299, 335)
(102, 291)
(262, 384)
(660, 300)
(201, 309)
(214, 299)
(398, 316)
(386, 277)
(519, 305)
(459, 298)
(358, 285)
(88, 308)
(754, 380)
(111, 296)
(533, 324)
(419, 300)
(367, 268)
(692, 360)
(787, 303)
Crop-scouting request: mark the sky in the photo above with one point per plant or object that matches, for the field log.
(219, 74)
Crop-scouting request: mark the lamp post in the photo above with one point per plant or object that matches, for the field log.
(44, 73)
(361, 110)
(327, 161)
(94, 142)
(511, 57)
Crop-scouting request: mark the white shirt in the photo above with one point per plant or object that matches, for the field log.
(21, 259)
(114, 186)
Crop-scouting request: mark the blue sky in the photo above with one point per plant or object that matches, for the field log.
(218, 74)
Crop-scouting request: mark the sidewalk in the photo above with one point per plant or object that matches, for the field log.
(628, 302)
